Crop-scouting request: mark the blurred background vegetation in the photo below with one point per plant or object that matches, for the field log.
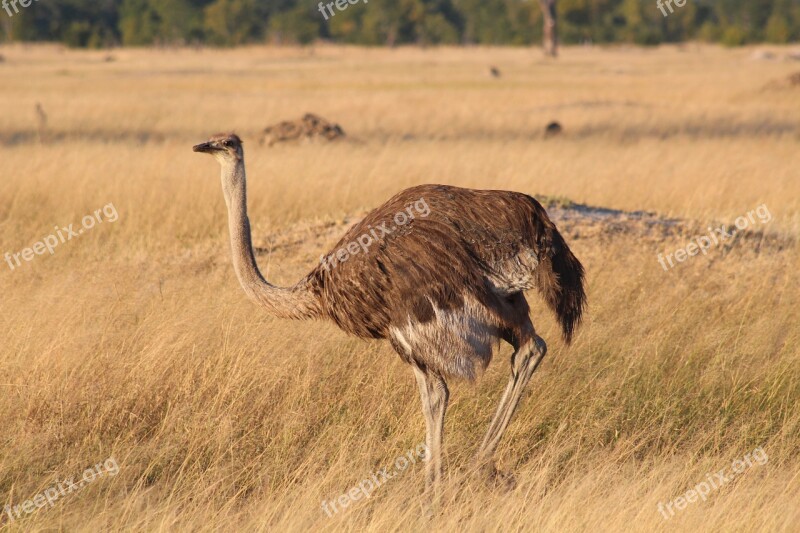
(102, 23)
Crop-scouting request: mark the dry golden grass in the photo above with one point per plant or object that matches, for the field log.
(135, 341)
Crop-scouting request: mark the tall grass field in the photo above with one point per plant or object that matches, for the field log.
(129, 348)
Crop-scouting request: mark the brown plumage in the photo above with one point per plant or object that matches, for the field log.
(442, 278)
(487, 246)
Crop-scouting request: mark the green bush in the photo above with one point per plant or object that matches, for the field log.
(777, 30)
(734, 36)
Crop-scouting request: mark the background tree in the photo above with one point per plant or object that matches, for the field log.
(99, 23)
(550, 31)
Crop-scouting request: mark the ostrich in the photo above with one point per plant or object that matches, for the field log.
(444, 289)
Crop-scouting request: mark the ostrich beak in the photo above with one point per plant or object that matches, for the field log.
(206, 148)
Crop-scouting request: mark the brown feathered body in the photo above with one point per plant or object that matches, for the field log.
(444, 284)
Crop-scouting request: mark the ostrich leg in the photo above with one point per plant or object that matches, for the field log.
(434, 395)
(524, 362)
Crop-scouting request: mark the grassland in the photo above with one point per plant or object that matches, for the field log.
(135, 341)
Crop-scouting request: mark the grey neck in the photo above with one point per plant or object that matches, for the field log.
(292, 302)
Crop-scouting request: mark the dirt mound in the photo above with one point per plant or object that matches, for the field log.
(309, 127)
(790, 82)
(553, 129)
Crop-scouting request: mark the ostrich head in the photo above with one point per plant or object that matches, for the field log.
(225, 147)
(227, 150)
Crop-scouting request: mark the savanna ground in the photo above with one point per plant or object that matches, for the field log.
(135, 342)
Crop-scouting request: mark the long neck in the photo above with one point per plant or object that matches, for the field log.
(291, 302)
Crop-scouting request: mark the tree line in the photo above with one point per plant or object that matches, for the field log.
(103, 23)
